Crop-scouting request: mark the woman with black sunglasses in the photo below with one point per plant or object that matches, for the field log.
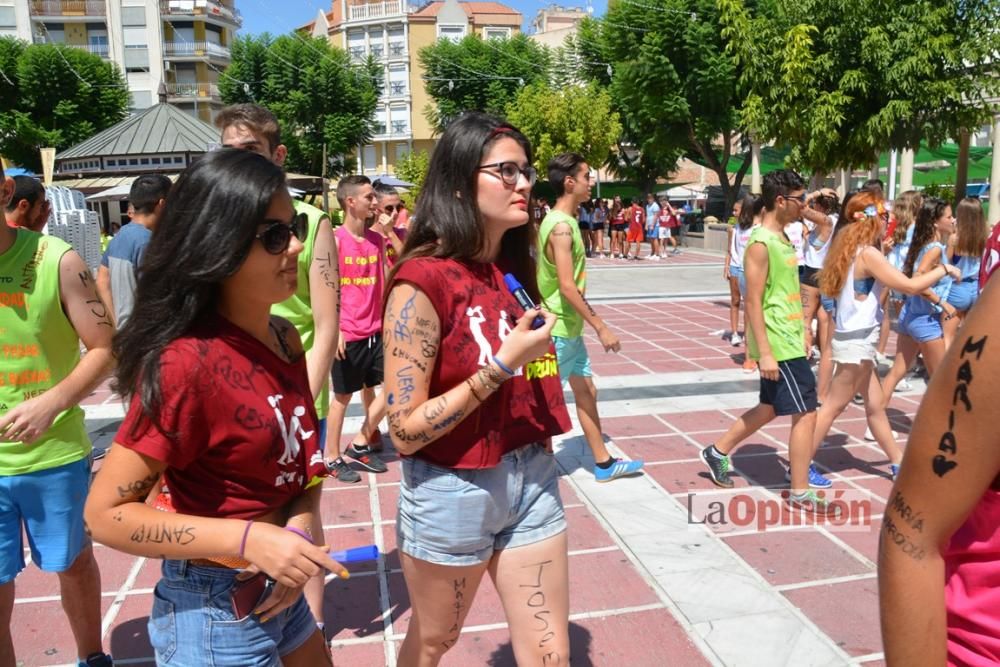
(474, 398)
(220, 407)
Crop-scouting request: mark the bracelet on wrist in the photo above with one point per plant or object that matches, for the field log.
(246, 533)
(502, 366)
(472, 389)
(301, 533)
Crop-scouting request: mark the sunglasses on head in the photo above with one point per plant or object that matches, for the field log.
(277, 236)
(389, 208)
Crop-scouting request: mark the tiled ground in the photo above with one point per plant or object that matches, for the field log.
(620, 614)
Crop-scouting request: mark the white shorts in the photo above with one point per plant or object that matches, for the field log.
(855, 347)
(664, 232)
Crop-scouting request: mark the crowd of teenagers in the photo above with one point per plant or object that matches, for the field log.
(226, 310)
(624, 228)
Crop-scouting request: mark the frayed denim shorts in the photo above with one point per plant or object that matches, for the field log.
(457, 517)
(192, 622)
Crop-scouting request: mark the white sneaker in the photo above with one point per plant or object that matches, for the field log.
(882, 360)
(903, 386)
(870, 437)
(736, 340)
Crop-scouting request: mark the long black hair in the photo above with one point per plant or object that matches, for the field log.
(924, 229)
(204, 235)
(750, 207)
(447, 218)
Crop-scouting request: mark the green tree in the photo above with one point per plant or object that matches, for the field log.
(54, 95)
(841, 81)
(675, 85)
(412, 168)
(319, 97)
(479, 75)
(574, 118)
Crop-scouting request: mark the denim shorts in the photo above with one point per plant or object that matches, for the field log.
(922, 328)
(48, 504)
(963, 295)
(829, 304)
(855, 347)
(461, 517)
(736, 271)
(572, 357)
(192, 622)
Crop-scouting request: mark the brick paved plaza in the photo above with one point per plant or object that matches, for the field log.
(648, 588)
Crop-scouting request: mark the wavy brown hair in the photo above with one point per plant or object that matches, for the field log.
(905, 209)
(924, 230)
(971, 228)
(854, 231)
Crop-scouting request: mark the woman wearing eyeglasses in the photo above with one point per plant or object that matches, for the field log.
(474, 397)
(855, 272)
(220, 407)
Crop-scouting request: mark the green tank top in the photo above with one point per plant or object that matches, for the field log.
(39, 348)
(570, 322)
(782, 299)
(297, 308)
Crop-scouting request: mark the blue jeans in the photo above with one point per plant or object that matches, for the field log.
(192, 622)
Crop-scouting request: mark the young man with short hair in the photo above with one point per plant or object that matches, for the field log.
(388, 208)
(358, 363)
(776, 340)
(28, 206)
(48, 305)
(118, 273)
(562, 281)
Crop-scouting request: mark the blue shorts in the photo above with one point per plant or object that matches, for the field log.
(572, 357)
(794, 392)
(457, 517)
(963, 294)
(48, 504)
(741, 279)
(321, 433)
(829, 304)
(922, 328)
(192, 622)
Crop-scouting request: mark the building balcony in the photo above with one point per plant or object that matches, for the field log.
(367, 11)
(208, 9)
(102, 50)
(67, 8)
(195, 50)
(396, 130)
(189, 92)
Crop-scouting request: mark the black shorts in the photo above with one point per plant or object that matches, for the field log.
(809, 276)
(620, 228)
(361, 366)
(585, 226)
(794, 392)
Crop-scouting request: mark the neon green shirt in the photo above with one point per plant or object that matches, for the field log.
(39, 348)
(570, 322)
(782, 299)
(297, 308)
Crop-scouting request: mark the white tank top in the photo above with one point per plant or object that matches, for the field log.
(855, 314)
(796, 231)
(738, 245)
(815, 256)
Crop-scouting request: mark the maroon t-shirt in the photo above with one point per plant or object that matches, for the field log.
(476, 313)
(239, 430)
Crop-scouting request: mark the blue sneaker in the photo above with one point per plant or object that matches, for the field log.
(816, 479)
(894, 470)
(617, 469)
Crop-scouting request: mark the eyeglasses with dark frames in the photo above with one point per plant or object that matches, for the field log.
(509, 172)
(277, 236)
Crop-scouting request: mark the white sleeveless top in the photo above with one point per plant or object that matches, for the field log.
(854, 314)
(738, 246)
(815, 256)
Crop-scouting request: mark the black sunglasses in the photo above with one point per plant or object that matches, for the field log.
(510, 172)
(277, 236)
(389, 208)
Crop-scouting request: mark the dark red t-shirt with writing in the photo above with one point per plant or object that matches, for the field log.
(476, 313)
(239, 430)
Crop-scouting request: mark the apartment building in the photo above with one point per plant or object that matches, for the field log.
(553, 24)
(183, 44)
(393, 32)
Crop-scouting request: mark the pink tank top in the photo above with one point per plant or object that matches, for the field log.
(362, 278)
(972, 587)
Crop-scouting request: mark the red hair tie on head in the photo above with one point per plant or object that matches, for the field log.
(499, 130)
